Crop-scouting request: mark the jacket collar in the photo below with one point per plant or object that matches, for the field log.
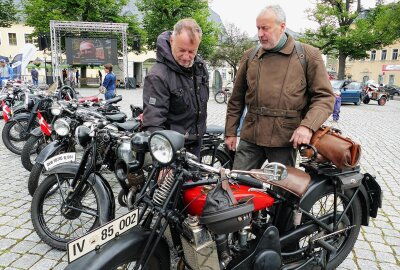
(286, 49)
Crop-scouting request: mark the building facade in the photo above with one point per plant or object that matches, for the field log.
(381, 66)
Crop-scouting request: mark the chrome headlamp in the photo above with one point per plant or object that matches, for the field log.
(61, 126)
(164, 145)
(56, 109)
(124, 151)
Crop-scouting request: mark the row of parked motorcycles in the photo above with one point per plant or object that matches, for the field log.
(184, 212)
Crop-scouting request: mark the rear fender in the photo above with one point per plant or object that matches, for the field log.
(106, 197)
(132, 242)
(319, 187)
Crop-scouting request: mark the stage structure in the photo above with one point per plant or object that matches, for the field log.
(59, 29)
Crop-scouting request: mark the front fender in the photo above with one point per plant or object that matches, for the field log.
(20, 116)
(49, 150)
(129, 244)
(106, 196)
(37, 132)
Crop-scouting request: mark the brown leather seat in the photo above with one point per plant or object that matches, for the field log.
(297, 181)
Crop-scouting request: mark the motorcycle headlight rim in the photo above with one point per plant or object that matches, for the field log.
(61, 126)
(161, 149)
(56, 110)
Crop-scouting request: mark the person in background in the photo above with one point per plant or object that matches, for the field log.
(100, 77)
(273, 86)
(64, 75)
(35, 76)
(336, 107)
(175, 91)
(109, 81)
(77, 77)
(6, 72)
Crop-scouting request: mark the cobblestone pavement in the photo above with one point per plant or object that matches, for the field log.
(377, 128)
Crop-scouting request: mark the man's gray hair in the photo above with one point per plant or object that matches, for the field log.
(277, 9)
(189, 25)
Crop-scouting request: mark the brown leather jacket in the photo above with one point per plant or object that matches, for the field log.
(274, 88)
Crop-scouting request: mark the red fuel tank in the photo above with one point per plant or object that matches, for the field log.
(195, 198)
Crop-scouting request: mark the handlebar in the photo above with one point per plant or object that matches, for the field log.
(244, 179)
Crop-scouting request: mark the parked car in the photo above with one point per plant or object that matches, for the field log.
(351, 92)
(393, 90)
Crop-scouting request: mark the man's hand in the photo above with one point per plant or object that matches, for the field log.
(230, 142)
(301, 135)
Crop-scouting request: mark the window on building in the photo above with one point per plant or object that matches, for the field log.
(383, 55)
(391, 79)
(12, 39)
(373, 55)
(380, 79)
(28, 38)
(365, 79)
(395, 54)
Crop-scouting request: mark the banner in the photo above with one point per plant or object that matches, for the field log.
(21, 60)
(390, 67)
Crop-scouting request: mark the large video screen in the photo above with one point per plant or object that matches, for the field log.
(91, 51)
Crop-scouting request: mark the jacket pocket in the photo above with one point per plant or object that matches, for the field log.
(179, 100)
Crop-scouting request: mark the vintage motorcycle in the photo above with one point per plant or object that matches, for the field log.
(274, 218)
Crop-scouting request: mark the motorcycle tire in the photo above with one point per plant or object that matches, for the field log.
(11, 141)
(366, 100)
(34, 177)
(46, 193)
(382, 101)
(31, 149)
(346, 240)
(220, 160)
(220, 97)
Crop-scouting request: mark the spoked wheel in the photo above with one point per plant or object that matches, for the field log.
(14, 135)
(323, 206)
(220, 97)
(220, 159)
(58, 221)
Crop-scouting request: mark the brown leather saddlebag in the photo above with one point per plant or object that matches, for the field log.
(332, 146)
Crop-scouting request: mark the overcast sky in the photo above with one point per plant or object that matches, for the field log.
(243, 13)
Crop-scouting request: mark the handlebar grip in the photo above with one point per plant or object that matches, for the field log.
(248, 181)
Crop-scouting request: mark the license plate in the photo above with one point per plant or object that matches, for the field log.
(95, 239)
(57, 160)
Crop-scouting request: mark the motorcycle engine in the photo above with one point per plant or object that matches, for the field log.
(199, 248)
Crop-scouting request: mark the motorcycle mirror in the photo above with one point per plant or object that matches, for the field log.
(275, 171)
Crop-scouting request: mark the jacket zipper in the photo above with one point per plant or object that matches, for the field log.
(257, 99)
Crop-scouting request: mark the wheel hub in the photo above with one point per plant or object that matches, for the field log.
(70, 213)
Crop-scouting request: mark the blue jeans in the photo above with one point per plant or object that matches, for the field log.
(109, 95)
(35, 81)
(336, 108)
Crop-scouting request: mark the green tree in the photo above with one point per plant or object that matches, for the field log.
(39, 13)
(231, 47)
(161, 15)
(345, 30)
(8, 13)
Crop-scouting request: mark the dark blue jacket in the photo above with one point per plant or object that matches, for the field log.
(109, 82)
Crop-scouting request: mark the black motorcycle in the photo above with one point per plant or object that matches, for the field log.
(274, 218)
(67, 143)
(70, 201)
